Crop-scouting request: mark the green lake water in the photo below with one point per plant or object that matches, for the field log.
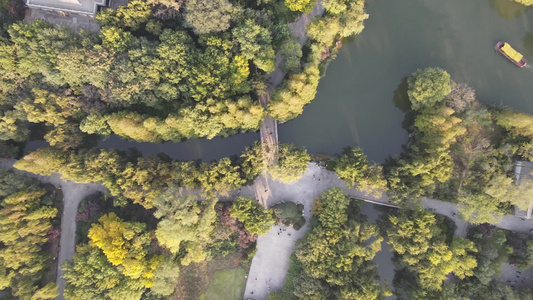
(360, 100)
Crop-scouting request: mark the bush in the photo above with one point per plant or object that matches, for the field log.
(289, 213)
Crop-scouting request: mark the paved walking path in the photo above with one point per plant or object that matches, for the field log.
(73, 194)
(271, 262)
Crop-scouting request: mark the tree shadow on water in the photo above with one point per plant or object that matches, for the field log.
(508, 9)
(401, 101)
(400, 98)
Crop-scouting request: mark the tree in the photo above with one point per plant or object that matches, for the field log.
(493, 251)
(256, 219)
(336, 254)
(517, 123)
(65, 136)
(89, 275)
(125, 244)
(256, 44)
(11, 182)
(181, 213)
(166, 278)
(205, 16)
(300, 5)
(479, 208)
(461, 97)
(423, 250)
(428, 87)
(25, 220)
(355, 170)
(525, 2)
(116, 38)
(291, 52)
(289, 99)
(291, 163)
(252, 161)
(11, 126)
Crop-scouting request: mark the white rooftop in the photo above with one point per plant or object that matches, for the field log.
(87, 7)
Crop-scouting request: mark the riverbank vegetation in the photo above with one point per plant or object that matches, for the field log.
(525, 2)
(27, 214)
(427, 253)
(334, 260)
(460, 150)
(156, 71)
(343, 18)
(354, 168)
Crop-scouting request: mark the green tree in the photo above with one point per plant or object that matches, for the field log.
(300, 5)
(517, 123)
(423, 250)
(181, 213)
(428, 87)
(291, 163)
(256, 44)
(291, 52)
(11, 126)
(289, 99)
(493, 251)
(355, 170)
(205, 16)
(116, 38)
(89, 275)
(65, 136)
(337, 253)
(166, 278)
(25, 220)
(253, 162)
(256, 219)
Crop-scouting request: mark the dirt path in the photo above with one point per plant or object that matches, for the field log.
(73, 193)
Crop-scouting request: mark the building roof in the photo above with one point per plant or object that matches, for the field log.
(512, 53)
(87, 7)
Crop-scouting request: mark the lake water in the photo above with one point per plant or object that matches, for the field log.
(360, 101)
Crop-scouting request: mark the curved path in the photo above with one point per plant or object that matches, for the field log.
(270, 264)
(73, 194)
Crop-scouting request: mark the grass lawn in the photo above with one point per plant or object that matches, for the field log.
(221, 278)
(226, 285)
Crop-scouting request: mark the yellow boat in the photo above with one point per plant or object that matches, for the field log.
(516, 57)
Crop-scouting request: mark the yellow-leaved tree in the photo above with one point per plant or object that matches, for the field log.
(125, 244)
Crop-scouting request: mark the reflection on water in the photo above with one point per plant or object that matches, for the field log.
(508, 9)
(528, 45)
(400, 98)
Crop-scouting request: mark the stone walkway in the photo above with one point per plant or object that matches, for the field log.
(270, 264)
(511, 275)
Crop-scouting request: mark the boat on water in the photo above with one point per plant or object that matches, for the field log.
(516, 57)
